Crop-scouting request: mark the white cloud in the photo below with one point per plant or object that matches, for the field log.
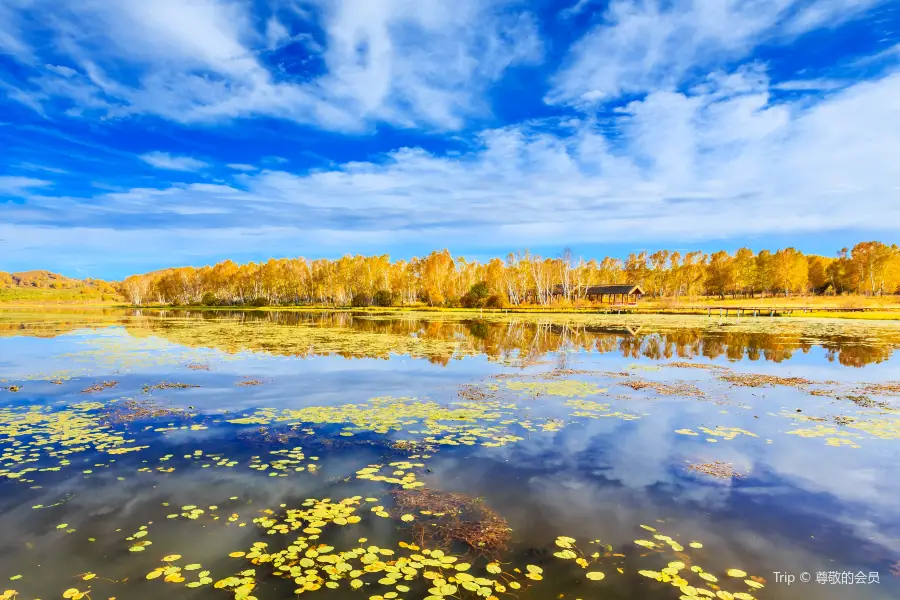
(576, 9)
(422, 62)
(276, 33)
(727, 161)
(811, 85)
(35, 167)
(61, 70)
(826, 14)
(241, 167)
(164, 160)
(11, 34)
(17, 186)
(29, 99)
(641, 47)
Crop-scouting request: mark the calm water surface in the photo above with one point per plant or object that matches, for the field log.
(206, 433)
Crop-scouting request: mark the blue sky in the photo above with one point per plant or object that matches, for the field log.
(139, 134)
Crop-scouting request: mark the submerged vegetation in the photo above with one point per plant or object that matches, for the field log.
(99, 387)
(166, 385)
(718, 469)
(446, 519)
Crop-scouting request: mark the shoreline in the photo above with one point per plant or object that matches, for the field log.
(725, 312)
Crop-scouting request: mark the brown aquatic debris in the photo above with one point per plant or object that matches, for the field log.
(503, 376)
(664, 389)
(455, 518)
(474, 393)
(99, 387)
(864, 401)
(167, 385)
(891, 388)
(822, 392)
(560, 373)
(692, 365)
(264, 435)
(136, 410)
(411, 446)
(567, 372)
(12, 388)
(556, 373)
(198, 367)
(759, 380)
(815, 419)
(721, 470)
(248, 381)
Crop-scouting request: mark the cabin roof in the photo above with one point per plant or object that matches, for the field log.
(627, 288)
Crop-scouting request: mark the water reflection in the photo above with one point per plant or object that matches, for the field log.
(802, 506)
(522, 339)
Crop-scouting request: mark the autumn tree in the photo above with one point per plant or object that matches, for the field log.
(817, 269)
(874, 266)
(788, 271)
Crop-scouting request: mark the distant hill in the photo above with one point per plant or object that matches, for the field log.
(38, 279)
(46, 286)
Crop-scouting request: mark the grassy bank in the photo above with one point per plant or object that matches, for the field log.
(863, 308)
(825, 302)
(866, 313)
(24, 296)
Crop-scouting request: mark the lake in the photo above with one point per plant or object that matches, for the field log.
(353, 455)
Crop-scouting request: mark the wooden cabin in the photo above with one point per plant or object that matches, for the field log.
(613, 294)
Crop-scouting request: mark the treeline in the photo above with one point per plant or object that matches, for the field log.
(439, 279)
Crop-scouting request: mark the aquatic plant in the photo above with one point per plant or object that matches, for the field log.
(719, 469)
(99, 387)
(447, 518)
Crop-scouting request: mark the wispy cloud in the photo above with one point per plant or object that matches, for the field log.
(164, 160)
(17, 186)
(643, 46)
(576, 9)
(199, 61)
(241, 167)
(11, 31)
(34, 167)
(61, 70)
(810, 85)
(276, 33)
